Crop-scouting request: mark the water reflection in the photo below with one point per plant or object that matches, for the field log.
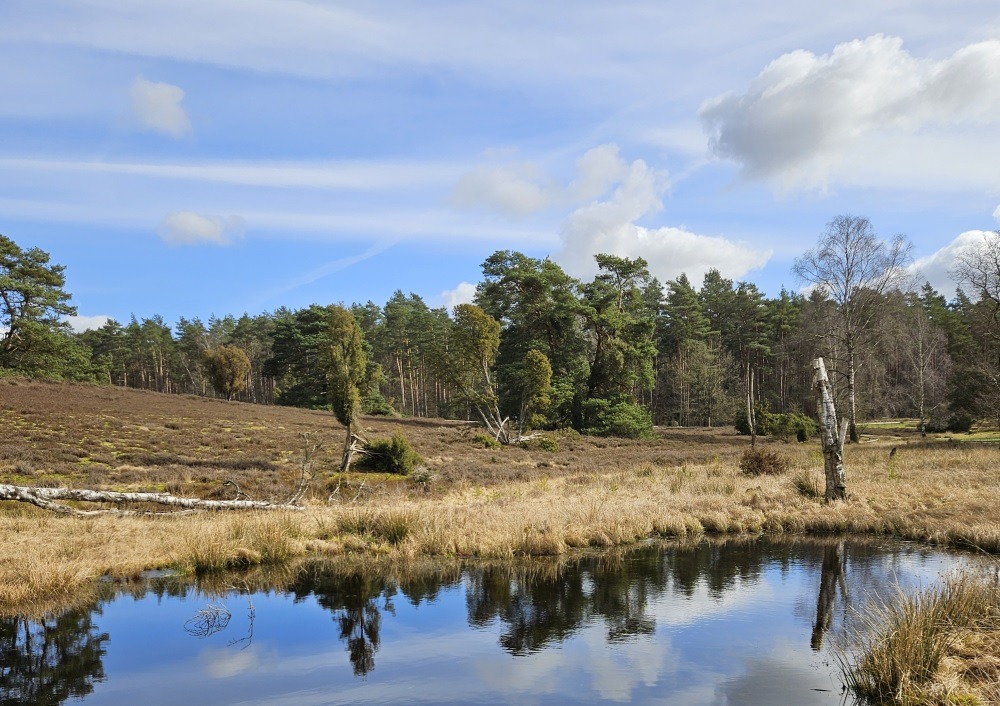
(44, 662)
(682, 619)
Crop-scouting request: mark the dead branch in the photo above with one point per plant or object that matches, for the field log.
(45, 498)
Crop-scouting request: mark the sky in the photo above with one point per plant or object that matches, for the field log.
(199, 157)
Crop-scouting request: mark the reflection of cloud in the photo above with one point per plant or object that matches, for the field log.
(779, 677)
(224, 663)
(157, 107)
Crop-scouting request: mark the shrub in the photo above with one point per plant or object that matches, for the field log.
(485, 440)
(959, 423)
(759, 462)
(781, 426)
(548, 443)
(392, 455)
(625, 419)
(792, 426)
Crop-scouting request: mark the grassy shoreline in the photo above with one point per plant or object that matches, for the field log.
(473, 501)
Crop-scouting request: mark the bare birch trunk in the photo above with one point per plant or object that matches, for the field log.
(852, 407)
(832, 437)
(45, 498)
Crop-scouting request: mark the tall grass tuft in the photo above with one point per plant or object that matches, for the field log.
(910, 650)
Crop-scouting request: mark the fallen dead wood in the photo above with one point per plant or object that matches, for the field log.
(46, 498)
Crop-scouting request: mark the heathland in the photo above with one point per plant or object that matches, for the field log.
(557, 493)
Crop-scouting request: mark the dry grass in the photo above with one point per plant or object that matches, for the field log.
(472, 501)
(941, 646)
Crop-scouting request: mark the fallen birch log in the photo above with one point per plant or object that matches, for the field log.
(46, 498)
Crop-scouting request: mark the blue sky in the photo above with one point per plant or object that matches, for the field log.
(190, 157)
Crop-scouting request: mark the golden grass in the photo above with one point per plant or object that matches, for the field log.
(942, 495)
(941, 646)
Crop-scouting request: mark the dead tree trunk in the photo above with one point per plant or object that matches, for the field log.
(831, 434)
(46, 498)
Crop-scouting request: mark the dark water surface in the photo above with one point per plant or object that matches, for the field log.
(734, 623)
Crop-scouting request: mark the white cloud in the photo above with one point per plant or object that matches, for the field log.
(996, 214)
(609, 227)
(808, 120)
(936, 268)
(514, 189)
(188, 228)
(464, 293)
(157, 107)
(79, 324)
(520, 188)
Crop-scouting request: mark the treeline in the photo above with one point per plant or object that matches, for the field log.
(614, 355)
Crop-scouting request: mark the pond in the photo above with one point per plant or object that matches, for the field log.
(739, 622)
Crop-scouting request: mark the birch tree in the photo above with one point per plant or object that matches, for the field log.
(855, 269)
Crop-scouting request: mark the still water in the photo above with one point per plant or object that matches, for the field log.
(733, 623)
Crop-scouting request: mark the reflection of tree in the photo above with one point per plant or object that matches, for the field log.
(44, 663)
(831, 576)
(622, 587)
(353, 600)
(536, 608)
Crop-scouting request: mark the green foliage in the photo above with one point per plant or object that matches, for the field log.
(781, 426)
(758, 462)
(549, 443)
(32, 304)
(536, 387)
(485, 440)
(625, 419)
(958, 423)
(375, 404)
(227, 368)
(390, 455)
(300, 339)
(345, 364)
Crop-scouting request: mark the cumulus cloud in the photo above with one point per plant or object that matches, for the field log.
(521, 188)
(609, 226)
(805, 115)
(937, 267)
(79, 324)
(189, 228)
(464, 293)
(157, 107)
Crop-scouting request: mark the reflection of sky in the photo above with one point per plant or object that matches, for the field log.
(747, 645)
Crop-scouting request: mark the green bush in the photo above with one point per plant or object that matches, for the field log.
(958, 423)
(548, 443)
(485, 440)
(781, 426)
(625, 419)
(792, 426)
(759, 462)
(392, 455)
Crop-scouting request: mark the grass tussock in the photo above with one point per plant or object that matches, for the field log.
(940, 646)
